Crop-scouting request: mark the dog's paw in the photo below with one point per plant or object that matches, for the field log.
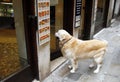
(72, 71)
(91, 66)
(98, 68)
(70, 67)
(96, 71)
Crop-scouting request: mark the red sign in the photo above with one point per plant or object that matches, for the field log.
(43, 21)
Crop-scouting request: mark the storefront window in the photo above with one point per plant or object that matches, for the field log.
(100, 15)
(100, 11)
(11, 59)
(116, 8)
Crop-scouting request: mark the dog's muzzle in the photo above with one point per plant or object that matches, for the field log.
(56, 35)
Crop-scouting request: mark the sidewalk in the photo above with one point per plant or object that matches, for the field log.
(110, 71)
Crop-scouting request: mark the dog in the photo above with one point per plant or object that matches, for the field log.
(76, 49)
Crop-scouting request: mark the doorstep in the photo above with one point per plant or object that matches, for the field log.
(56, 63)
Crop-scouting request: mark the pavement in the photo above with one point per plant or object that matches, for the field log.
(110, 71)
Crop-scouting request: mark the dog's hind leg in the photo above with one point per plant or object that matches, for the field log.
(92, 65)
(98, 59)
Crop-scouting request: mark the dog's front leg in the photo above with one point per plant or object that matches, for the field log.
(74, 65)
(71, 65)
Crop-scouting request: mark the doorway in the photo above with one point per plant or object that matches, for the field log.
(56, 18)
(61, 17)
(56, 23)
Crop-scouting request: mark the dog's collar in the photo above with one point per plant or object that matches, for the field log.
(61, 43)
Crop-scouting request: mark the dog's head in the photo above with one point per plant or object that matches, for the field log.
(62, 35)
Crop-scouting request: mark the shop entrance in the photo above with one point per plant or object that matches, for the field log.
(56, 23)
(61, 17)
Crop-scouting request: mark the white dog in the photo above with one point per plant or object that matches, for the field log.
(75, 49)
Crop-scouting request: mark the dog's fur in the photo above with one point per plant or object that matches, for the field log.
(75, 49)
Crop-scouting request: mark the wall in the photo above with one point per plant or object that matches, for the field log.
(44, 60)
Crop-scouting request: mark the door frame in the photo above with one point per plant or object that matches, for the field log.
(30, 24)
(87, 19)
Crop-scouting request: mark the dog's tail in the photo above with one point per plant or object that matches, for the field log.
(105, 41)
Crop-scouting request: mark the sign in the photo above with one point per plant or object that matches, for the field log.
(78, 5)
(43, 11)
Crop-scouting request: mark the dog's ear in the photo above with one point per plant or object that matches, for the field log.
(62, 34)
(62, 37)
(65, 37)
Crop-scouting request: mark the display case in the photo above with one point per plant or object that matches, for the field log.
(6, 15)
(6, 9)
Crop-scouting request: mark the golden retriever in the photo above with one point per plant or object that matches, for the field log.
(76, 49)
